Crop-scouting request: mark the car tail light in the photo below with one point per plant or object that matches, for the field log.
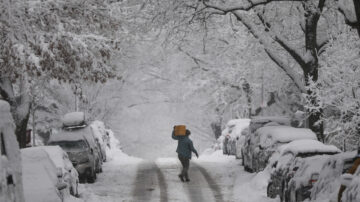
(314, 178)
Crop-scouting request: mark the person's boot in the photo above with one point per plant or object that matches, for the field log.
(187, 180)
(181, 178)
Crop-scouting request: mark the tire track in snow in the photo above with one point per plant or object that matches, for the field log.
(214, 187)
(148, 180)
(202, 186)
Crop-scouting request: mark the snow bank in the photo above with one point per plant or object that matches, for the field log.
(270, 135)
(249, 188)
(114, 152)
(74, 119)
(307, 146)
(99, 130)
(216, 156)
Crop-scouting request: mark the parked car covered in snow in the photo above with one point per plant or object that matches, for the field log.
(81, 153)
(63, 164)
(255, 124)
(11, 186)
(285, 161)
(231, 138)
(328, 184)
(267, 139)
(350, 182)
(42, 180)
(101, 136)
(75, 122)
(303, 174)
(240, 140)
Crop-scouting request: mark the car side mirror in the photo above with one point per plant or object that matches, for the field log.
(61, 185)
(346, 179)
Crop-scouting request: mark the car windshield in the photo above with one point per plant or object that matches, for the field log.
(71, 145)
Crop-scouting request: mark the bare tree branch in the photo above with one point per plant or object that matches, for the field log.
(248, 5)
(295, 77)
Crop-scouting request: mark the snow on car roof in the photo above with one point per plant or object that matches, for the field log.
(39, 170)
(283, 134)
(74, 119)
(240, 125)
(33, 154)
(234, 122)
(307, 146)
(56, 154)
(278, 119)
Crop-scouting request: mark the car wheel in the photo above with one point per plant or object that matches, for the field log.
(269, 192)
(92, 177)
(72, 191)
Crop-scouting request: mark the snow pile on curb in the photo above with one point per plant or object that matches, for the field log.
(254, 188)
(214, 155)
(114, 152)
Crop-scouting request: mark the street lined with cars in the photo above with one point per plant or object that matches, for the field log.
(300, 167)
(73, 154)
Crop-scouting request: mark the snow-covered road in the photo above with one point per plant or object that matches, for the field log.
(214, 178)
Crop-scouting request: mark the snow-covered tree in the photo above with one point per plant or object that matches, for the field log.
(64, 40)
(293, 33)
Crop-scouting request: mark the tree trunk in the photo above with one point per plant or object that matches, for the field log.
(357, 12)
(311, 68)
(20, 107)
(20, 130)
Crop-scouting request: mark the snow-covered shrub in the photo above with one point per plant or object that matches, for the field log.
(339, 92)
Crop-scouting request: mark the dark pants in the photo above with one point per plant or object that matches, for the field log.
(185, 162)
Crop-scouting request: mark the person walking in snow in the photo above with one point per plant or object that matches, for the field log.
(184, 149)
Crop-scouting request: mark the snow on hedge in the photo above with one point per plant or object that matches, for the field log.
(283, 134)
(307, 146)
(74, 119)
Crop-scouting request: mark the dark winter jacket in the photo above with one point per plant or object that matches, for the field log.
(185, 146)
